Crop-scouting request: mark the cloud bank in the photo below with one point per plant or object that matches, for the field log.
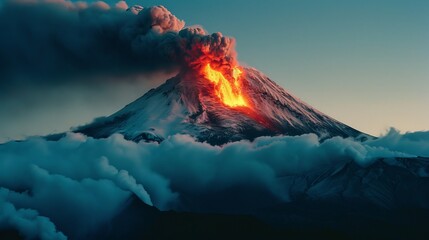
(73, 186)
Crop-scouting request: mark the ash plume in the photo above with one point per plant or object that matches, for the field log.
(54, 41)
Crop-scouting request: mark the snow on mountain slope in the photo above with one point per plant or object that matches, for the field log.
(188, 104)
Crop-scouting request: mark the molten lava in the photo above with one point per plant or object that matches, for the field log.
(228, 91)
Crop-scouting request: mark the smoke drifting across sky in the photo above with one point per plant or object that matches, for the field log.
(72, 186)
(59, 40)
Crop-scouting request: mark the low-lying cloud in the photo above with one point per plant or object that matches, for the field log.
(72, 186)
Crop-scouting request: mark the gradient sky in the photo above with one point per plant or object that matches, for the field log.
(365, 63)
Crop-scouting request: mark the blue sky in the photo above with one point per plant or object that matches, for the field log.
(365, 63)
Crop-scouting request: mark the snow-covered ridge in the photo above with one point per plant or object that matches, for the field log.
(187, 104)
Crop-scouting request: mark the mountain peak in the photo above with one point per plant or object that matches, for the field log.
(191, 103)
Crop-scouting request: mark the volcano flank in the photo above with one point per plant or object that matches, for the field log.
(190, 103)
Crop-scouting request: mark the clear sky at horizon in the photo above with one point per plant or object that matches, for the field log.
(365, 63)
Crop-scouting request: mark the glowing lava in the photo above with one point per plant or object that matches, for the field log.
(229, 93)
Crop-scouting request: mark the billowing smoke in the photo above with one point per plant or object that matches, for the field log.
(75, 185)
(54, 41)
(200, 49)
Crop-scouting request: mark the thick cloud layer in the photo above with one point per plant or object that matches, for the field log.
(74, 185)
(28, 221)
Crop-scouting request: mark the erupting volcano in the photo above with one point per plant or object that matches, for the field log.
(212, 98)
(216, 108)
(219, 151)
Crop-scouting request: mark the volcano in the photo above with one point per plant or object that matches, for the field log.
(190, 104)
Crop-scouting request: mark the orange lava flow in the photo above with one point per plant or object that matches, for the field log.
(229, 92)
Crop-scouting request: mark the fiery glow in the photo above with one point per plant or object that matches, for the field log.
(229, 92)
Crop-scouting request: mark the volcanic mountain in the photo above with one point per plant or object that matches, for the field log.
(196, 103)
